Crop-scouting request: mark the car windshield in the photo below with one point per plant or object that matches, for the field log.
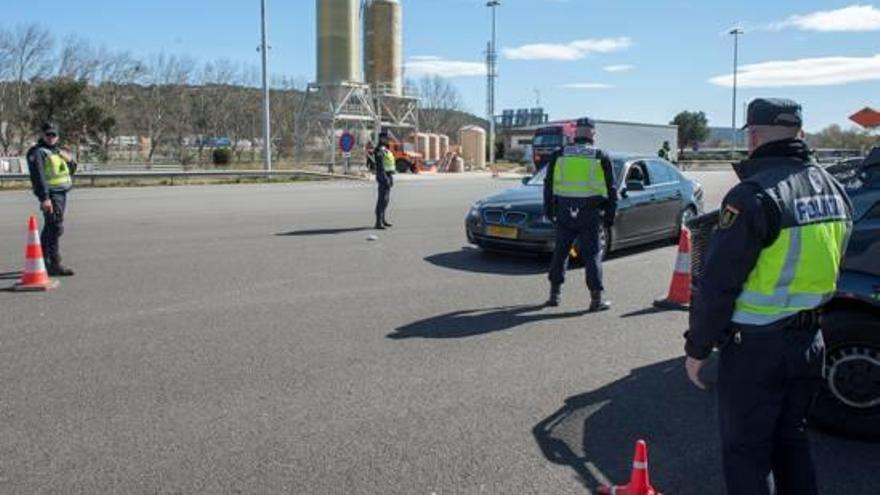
(538, 179)
(848, 173)
(548, 140)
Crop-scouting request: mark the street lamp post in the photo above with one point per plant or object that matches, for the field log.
(736, 33)
(267, 133)
(491, 62)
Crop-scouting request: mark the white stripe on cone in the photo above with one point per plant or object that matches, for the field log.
(683, 263)
(34, 265)
(33, 238)
(640, 465)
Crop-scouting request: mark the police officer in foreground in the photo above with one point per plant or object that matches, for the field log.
(51, 170)
(385, 168)
(580, 198)
(771, 265)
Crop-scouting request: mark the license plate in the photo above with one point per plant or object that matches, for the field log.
(502, 232)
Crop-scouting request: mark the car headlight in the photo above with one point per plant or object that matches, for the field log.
(475, 211)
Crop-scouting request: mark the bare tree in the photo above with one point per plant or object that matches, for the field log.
(442, 107)
(78, 60)
(28, 51)
(161, 106)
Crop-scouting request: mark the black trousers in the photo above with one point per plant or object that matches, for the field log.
(766, 383)
(585, 228)
(53, 228)
(384, 198)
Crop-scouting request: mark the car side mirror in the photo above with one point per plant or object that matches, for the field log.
(526, 180)
(635, 185)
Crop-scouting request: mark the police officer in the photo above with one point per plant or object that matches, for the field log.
(385, 163)
(665, 151)
(772, 263)
(579, 198)
(51, 170)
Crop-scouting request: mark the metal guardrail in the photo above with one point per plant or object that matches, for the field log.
(93, 176)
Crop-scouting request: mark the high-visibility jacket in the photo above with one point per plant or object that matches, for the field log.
(799, 270)
(388, 162)
(578, 173)
(56, 170)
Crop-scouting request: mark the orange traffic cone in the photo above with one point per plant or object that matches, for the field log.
(640, 480)
(34, 277)
(680, 289)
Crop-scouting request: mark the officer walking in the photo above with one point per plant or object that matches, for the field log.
(385, 163)
(771, 265)
(579, 198)
(51, 170)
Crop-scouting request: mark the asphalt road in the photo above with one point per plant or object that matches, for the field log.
(249, 339)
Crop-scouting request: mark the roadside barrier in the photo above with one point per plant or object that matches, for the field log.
(640, 480)
(34, 276)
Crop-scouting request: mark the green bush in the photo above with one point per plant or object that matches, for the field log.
(222, 156)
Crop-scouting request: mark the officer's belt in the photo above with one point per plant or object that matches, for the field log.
(806, 321)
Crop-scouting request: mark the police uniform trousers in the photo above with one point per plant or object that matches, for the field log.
(53, 228)
(767, 380)
(384, 197)
(584, 227)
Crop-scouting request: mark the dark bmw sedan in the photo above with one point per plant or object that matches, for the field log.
(655, 200)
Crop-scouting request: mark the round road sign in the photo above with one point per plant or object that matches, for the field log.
(346, 142)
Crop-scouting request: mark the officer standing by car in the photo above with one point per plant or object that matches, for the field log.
(665, 152)
(771, 265)
(580, 198)
(385, 168)
(51, 171)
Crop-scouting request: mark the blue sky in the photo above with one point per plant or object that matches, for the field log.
(823, 53)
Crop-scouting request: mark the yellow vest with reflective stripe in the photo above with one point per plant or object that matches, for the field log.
(55, 169)
(579, 174)
(388, 161)
(799, 270)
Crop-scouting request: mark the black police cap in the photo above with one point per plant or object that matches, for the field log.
(49, 128)
(774, 112)
(586, 122)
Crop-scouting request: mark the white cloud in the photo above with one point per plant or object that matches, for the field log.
(574, 50)
(618, 68)
(438, 66)
(587, 86)
(852, 18)
(827, 71)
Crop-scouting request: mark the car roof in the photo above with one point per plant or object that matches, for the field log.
(627, 157)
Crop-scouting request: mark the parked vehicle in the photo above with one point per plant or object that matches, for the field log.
(655, 201)
(850, 400)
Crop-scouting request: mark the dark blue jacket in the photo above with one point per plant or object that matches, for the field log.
(35, 161)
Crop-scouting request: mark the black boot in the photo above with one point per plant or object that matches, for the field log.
(598, 302)
(555, 291)
(379, 225)
(386, 223)
(55, 269)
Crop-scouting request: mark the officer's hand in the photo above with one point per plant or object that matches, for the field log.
(65, 154)
(694, 367)
(47, 207)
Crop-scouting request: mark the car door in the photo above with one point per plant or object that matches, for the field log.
(634, 207)
(665, 198)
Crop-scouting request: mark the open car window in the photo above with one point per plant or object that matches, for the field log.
(616, 165)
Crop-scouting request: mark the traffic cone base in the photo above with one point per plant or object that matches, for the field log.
(640, 480)
(679, 296)
(34, 277)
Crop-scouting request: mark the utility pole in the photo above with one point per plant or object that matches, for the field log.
(267, 132)
(491, 72)
(736, 33)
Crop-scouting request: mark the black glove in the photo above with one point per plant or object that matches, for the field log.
(608, 217)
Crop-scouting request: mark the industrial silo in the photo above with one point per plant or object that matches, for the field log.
(423, 145)
(434, 146)
(473, 146)
(444, 145)
(383, 51)
(338, 42)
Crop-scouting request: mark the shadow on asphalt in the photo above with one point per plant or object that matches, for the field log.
(470, 323)
(315, 232)
(10, 276)
(594, 434)
(498, 263)
(649, 311)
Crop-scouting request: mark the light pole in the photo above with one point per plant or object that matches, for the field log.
(267, 133)
(736, 33)
(491, 62)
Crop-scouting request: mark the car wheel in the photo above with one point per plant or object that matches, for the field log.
(683, 218)
(849, 401)
(402, 166)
